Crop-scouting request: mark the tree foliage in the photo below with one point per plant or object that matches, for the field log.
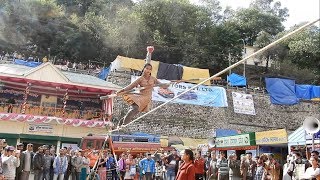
(304, 49)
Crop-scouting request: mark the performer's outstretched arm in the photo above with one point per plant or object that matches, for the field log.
(130, 86)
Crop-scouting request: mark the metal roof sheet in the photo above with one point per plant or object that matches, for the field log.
(20, 70)
(87, 79)
(14, 69)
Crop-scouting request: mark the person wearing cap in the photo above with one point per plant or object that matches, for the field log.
(10, 162)
(28, 156)
(148, 167)
(20, 168)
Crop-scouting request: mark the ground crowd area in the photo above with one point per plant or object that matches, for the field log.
(23, 162)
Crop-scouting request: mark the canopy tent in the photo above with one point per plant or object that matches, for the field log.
(303, 91)
(315, 93)
(298, 137)
(307, 92)
(122, 63)
(281, 91)
(196, 75)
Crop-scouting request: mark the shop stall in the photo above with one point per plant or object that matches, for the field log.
(273, 142)
(240, 144)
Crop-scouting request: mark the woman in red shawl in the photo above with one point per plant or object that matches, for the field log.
(187, 171)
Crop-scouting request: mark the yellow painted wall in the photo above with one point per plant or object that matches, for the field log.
(11, 127)
(46, 73)
(70, 131)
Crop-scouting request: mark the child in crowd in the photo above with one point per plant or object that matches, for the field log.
(158, 171)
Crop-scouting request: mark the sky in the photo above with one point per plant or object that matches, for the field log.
(299, 10)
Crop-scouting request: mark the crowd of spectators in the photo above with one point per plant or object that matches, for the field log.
(20, 161)
(63, 64)
(6, 56)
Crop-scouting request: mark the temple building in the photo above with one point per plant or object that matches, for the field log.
(44, 105)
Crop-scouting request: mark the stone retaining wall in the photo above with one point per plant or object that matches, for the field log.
(200, 121)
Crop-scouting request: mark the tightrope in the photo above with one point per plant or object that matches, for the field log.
(221, 72)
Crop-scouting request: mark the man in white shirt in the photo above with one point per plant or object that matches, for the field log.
(313, 171)
(10, 162)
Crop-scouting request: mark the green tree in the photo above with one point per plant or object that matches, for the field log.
(262, 15)
(250, 22)
(31, 22)
(267, 6)
(301, 51)
(304, 49)
(187, 34)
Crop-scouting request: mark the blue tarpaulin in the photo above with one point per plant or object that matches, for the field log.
(27, 63)
(236, 80)
(303, 91)
(315, 92)
(225, 132)
(104, 73)
(281, 91)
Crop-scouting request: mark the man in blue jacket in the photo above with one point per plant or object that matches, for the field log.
(111, 165)
(148, 167)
